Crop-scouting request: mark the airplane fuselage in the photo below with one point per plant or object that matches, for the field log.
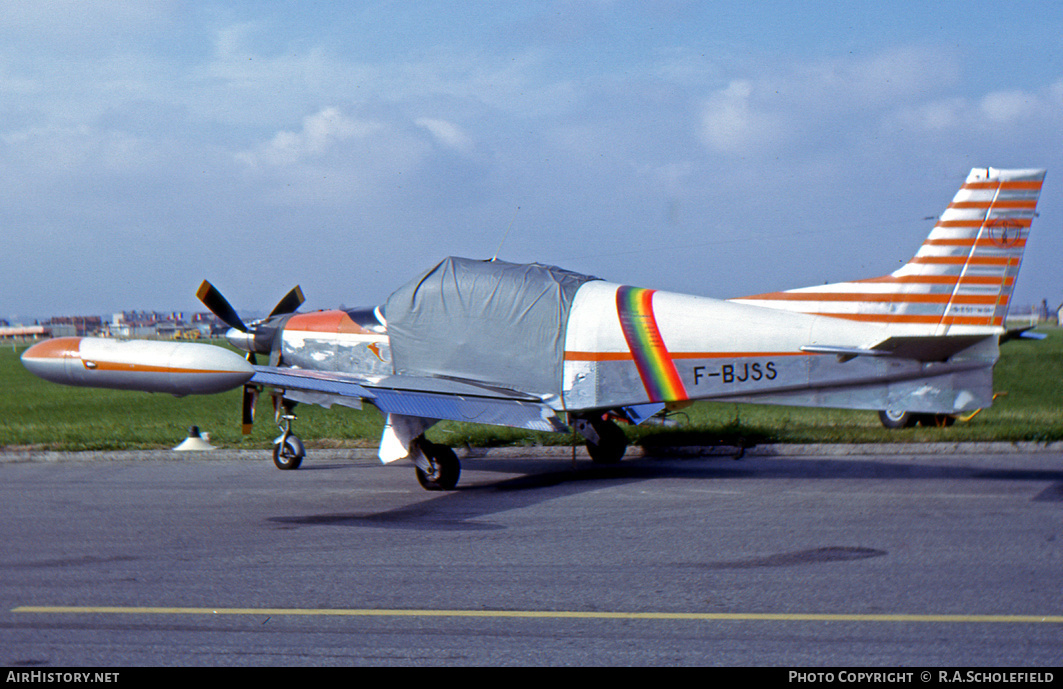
(626, 347)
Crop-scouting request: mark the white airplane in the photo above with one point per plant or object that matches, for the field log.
(541, 348)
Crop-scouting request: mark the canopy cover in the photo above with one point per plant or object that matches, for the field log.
(489, 321)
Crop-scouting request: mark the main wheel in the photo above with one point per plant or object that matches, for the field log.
(936, 420)
(288, 454)
(897, 419)
(612, 443)
(445, 467)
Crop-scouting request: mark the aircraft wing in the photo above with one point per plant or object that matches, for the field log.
(429, 398)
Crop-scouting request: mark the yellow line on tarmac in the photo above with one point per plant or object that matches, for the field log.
(540, 614)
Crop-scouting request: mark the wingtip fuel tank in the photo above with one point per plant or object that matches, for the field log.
(177, 368)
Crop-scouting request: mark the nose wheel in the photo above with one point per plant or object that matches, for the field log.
(288, 450)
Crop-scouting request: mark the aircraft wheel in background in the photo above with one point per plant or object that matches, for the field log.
(936, 420)
(897, 419)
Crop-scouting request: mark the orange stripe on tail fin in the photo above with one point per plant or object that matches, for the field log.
(961, 279)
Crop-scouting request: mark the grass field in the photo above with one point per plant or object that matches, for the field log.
(43, 415)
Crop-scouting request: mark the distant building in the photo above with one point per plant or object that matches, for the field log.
(124, 325)
(21, 333)
(74, 326)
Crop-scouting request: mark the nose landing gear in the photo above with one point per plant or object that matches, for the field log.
(288, 450)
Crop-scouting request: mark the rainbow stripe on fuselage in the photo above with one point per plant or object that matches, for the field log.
(634, 306)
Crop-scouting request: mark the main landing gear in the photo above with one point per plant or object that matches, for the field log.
(907, 419)
(606, 442)
(437, 466)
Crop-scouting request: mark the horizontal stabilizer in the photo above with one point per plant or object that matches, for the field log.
(1024, 333)
(918, 348)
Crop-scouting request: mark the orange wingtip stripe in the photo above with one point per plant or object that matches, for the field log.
(96, 365)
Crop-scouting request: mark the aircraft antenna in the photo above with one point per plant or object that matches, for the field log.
(506, 234)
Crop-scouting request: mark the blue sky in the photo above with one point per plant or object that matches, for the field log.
(715, 148)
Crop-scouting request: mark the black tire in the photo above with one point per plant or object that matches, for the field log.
(445, 471)
(612, 443)
(936, 420)
(897, 419)
(288, 455)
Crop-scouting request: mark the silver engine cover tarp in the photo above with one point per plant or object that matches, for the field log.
(490, 321)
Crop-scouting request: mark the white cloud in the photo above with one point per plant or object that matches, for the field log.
(784, 103)
(446, 133)
(1006, 106)
(731, 122)
(993, 109)
(52, 151)
(893, 75)
(1054, 94)
(321, 132)
(805, 106)
(935, 115)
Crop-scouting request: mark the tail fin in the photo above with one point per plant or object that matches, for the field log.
(960, 280)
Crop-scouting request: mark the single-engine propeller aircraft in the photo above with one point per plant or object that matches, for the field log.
(538, 347)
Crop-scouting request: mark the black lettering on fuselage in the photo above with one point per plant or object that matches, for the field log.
(738, 373)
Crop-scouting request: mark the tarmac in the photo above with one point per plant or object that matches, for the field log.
(15, 455)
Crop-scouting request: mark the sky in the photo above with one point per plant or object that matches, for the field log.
(713, 148)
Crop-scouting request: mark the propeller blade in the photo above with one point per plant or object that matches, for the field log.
(290, 303)
(219, 306)
(250, 398)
